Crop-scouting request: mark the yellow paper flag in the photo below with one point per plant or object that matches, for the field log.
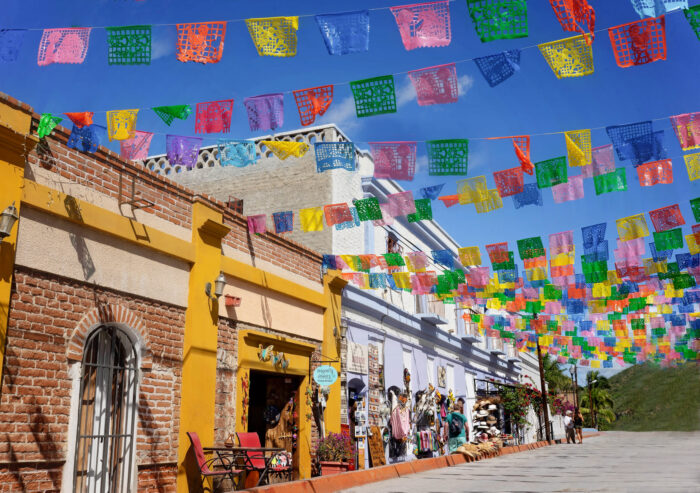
(311, 219)
(578, 147)
(470, 256)
(283, 149)
(274, 36)
(472, 190)
(120, 124)
(631, 227)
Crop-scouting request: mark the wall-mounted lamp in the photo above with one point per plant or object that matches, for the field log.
(219, 285)
(8, 218)
(340, 332)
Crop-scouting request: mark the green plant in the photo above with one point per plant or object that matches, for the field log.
(335, 447)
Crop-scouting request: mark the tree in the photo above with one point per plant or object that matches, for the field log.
(554, 376)
(596, 401)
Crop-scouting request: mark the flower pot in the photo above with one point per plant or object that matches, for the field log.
(331, 468)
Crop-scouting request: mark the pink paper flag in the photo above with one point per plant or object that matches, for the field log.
(136, 148)
(395, 160)
(435, 85)
(387, 219)
(561, 242)
(401, 204)
(257, 224)
(602, 161)
(571, 190)
(63, 45)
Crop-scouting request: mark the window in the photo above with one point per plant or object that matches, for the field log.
(392, 244)
(104, 447)
(431, 371)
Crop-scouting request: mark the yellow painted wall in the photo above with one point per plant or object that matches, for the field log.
(198, 394)
(333, 286)
(14, 145)
(260, 306)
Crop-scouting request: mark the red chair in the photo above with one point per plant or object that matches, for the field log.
(256, 461)
(206, 466)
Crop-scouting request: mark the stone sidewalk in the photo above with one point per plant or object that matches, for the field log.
(615, 462)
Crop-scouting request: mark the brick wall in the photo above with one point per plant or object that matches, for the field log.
(102, 171)
(36, 392)
(226, 365)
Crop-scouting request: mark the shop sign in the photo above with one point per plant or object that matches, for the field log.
(325, 376)
(357, 358)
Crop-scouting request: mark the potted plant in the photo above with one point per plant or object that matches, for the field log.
(333, 452)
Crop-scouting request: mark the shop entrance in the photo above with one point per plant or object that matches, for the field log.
(274, 410)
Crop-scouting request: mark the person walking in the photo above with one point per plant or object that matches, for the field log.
(456, 424)
(578, 425)
(569, 427)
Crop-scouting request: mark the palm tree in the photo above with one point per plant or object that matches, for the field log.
(555, 377)
(596, 400)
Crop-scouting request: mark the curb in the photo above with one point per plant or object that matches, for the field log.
(331, 484)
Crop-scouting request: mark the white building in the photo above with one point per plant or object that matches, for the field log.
(393, 329)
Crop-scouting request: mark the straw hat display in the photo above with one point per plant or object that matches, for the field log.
(486, 421)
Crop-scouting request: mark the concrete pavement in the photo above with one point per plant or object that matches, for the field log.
(615, 462)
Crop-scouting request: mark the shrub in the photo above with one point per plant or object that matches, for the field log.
(335, 447)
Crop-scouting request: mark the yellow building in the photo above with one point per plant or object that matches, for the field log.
(108, 288)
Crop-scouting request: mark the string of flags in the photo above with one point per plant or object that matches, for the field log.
(585, 316)
(421, 25)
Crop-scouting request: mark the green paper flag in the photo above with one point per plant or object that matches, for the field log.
(530, 247)
(668, 240)
(615, 181)
(129, 45)
(695, 206)
(447, 157)
(682, 281)
(509, 265)
(394, 259)
(424, 211)
(693, 16)
(499, 19)
(374, 96)
(169, 113)
(46, 124)
(551, 172)
(368, 209)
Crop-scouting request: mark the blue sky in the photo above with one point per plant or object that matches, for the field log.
(533, 101)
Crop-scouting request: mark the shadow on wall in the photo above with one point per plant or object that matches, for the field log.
(78, 242)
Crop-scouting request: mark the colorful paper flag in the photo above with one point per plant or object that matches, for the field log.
(345, 33)
(692, 163)
(666, 218)
(311, 219)
(265, 112)
(374, 96)
(395, 160)
(121, 124)
(169, 113)
(313, 102)
(63, 45)
(283, 148)
(334, 155)
(182, 150)
(201, 42)
(435, 85)
(238, 153)
(570, 57)
(639, 42)
(447, 157)
(424, 25)
(499, 19)
(571, 190)
(274, 36)
(655, 173)
(129, 45)
(136, 148)
(499, 67)
(214, 117)
(11, 41)
(632, 227)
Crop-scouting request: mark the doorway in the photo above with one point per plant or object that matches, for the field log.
(274, 411)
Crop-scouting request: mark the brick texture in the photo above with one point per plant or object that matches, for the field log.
(105, 172)
(36, 391)
(226, 366)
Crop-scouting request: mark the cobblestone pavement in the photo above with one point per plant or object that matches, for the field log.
(659, 462)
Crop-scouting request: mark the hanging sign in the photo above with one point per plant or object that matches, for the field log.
(325, 376)
(357, 358)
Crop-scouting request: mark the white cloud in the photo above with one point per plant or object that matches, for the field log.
(162, 46)
(343, 114)
(406, 93)
(464, 83)
(421, 163)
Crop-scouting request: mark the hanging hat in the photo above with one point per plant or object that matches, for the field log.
(491, 420)
(483, 413)
(492, 407)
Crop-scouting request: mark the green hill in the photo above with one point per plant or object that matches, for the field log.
(650, 398)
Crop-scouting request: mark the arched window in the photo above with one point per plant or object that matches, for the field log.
(105, 443)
